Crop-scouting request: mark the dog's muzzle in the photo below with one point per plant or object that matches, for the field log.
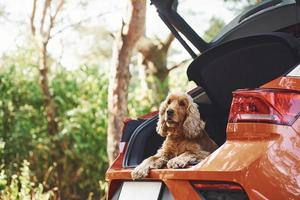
(170, 113)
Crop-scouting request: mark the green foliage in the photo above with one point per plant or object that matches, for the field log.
(21, 187)
(144, 100)
(81, 99)
(21, 113)
(83, 126)
(216, 25)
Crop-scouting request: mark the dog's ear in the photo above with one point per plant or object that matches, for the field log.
(193, 126)
(161, 127)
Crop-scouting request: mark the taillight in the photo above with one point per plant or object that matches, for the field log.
(265, 105)
(213, 190)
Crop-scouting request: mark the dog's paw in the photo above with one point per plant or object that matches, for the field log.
(204, 154)
(177, 163)
(140, 172)
(158, 164)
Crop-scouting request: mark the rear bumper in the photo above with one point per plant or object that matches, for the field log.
(175, 174)
(177, 181)
(265, 163)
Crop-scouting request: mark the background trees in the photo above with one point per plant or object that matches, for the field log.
(81, 103)
(131, 31)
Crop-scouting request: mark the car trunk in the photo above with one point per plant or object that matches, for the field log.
(243, 63)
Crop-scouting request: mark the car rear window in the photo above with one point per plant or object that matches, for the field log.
(295, 71)
(208, 18)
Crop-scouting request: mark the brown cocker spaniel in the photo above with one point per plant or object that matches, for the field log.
(186, 140)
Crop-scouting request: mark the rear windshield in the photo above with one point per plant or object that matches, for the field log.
(295, 71)
(207, 18)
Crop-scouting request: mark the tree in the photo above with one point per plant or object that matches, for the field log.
(154, 64)
(42, 22)
(131, 31)
(41, 27)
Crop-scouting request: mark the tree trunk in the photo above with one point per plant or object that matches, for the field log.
(42, 22)
(154, 63)
(41, 33)
(49, 103)
(120, 75)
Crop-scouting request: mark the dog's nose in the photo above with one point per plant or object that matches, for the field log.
(170, 112)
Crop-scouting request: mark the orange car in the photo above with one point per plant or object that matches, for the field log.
(257, 130)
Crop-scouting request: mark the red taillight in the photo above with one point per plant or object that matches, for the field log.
(265, 105)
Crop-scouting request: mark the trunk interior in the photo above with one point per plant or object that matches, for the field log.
(243, 63)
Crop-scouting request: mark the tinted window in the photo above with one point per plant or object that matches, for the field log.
(207, 18)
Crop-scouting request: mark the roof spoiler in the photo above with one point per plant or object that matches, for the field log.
(167, 11)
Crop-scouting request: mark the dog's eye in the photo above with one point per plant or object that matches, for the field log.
(169, 101)
(181, 103)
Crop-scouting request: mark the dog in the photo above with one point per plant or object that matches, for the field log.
(186, 140)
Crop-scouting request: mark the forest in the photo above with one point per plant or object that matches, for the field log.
(70, 73)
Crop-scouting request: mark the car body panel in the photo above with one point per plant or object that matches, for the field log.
(260, 165)
(291, 83)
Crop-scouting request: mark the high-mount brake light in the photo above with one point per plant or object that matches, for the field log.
(265, 105)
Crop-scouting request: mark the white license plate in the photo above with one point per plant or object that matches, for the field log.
(140, 190)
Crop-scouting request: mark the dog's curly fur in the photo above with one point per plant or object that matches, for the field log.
(186, 140)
